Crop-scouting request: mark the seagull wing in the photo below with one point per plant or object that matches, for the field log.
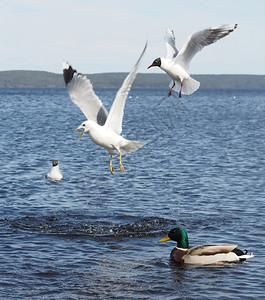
(199, 40)
(81, 92)
(170, 44)
(114, 120)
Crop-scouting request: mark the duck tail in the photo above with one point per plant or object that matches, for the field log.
(242, 255)
(246, 256)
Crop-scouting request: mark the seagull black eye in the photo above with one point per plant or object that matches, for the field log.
(83, 124)
(157, 62)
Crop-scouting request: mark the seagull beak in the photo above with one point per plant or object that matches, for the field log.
(166, 238)
(150, 66)
(81, 132)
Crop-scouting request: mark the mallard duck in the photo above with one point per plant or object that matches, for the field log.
(203, 254)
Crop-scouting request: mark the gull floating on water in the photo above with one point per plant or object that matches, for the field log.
(176, 64)
(55, 173)
(103, 128)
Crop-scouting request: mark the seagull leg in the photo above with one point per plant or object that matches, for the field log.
(170, 91)
(121, 166)
(181, 85)
(110, 163)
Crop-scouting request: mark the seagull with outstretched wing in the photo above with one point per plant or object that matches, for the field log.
(176, 64)
(103, 128)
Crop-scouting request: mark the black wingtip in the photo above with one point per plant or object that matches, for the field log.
(68, 72)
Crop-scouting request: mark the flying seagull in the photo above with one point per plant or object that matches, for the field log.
(176, 64)
(103, 128)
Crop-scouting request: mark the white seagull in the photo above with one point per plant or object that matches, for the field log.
(176, 64)
(54, 173)
(103, 128)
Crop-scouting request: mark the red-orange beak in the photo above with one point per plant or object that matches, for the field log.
(150, 66)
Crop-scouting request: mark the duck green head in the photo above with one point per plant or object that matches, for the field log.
(178, 235)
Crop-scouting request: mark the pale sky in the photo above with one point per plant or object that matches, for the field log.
(97, 36)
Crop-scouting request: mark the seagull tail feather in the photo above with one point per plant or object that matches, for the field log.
(132, 146)
(190, 85)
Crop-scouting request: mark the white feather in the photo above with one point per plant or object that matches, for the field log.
(54, 174)
(170, 44)
(81, 92)
(197, 41)
(114, 119)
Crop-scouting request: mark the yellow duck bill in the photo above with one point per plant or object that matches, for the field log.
(166, 238)
(81, 132)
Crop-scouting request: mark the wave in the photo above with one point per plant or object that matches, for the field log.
(82, 225)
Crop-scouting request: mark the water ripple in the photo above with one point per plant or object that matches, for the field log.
(94, 235)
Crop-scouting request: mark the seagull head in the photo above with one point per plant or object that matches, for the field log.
(85, 126)
(155, 63)
(55, 163)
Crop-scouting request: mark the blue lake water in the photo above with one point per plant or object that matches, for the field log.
(94, 235)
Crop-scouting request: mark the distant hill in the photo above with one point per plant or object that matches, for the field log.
(42, 79)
